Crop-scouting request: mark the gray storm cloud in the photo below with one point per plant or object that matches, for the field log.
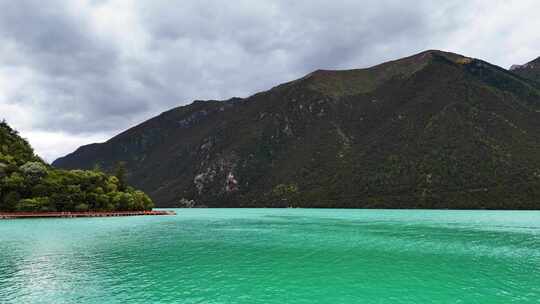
(72, 72)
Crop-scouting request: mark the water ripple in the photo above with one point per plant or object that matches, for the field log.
(275, 256)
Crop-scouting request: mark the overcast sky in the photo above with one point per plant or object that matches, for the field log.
(73, 72)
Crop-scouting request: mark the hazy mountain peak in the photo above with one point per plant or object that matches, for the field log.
(530, 70)
(534, 64)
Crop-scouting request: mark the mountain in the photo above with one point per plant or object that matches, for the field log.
(29, 184)
(434, 130)
(529, 70)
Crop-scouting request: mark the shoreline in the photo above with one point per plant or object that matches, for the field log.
(19, 215)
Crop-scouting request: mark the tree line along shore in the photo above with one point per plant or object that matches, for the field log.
(28, 184)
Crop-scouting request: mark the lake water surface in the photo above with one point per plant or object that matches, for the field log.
(274, 256)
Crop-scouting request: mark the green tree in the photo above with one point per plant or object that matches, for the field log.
(120, 173)
(286, 193)
(28, 184)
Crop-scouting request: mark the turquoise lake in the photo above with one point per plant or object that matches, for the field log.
(275, 256)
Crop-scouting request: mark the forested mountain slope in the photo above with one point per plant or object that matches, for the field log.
(434, 130)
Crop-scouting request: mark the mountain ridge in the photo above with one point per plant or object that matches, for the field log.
(530, 70)
(396, 135)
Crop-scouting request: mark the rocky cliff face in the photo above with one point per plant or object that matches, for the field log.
(434, 130)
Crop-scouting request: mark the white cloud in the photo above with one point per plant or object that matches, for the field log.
(501, 32)
(52, 144)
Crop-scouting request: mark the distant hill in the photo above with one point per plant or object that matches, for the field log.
(29, 184)
(530, 70)
(434, 130)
